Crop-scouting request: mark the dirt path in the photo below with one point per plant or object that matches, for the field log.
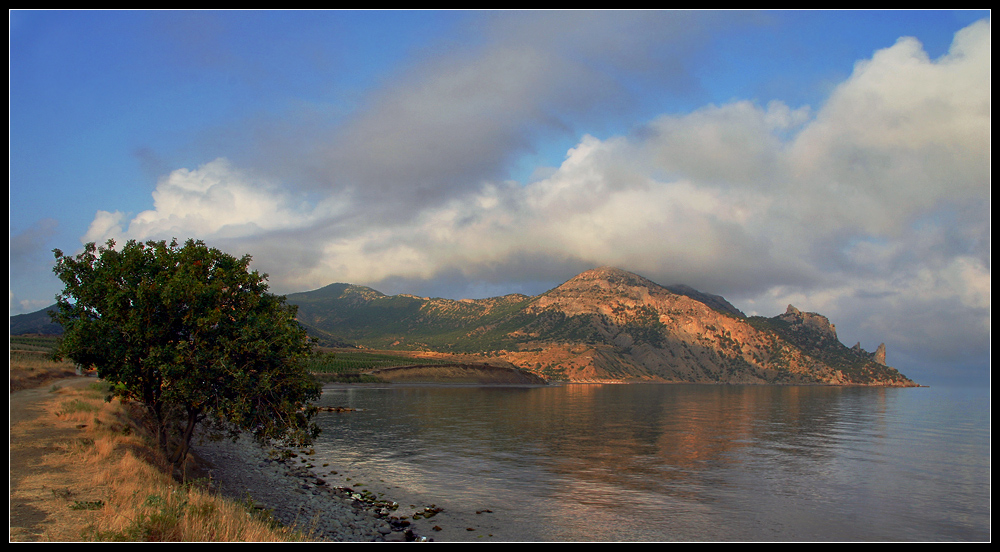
(38, 491)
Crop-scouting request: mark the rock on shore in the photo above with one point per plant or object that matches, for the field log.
(296, 496)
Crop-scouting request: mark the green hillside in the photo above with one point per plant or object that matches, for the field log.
(603, 325)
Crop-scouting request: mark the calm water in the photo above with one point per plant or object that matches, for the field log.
(671, 462)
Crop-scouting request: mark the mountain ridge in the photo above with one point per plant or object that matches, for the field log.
(605, 324)
(602, 325)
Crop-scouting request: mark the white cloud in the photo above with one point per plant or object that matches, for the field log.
(213, 201)
(848, 207)
(104, 226)
(730, 145)
(901, 135)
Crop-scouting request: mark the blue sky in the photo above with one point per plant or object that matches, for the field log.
(837, 161)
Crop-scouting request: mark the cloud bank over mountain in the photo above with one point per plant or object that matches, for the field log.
(872, 207)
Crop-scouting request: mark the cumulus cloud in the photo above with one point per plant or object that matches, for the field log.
(902, 134)
(870, 208)
(214, 200)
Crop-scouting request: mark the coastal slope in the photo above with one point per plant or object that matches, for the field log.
(604, 325)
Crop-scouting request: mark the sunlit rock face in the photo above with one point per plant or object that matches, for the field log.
(604, 325)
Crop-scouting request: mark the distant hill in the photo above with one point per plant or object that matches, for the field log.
(605, 324)
(38, 322)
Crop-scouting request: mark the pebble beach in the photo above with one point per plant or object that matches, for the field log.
(296, 496)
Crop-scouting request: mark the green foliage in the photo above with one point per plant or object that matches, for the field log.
(190, 333)
(87, 505)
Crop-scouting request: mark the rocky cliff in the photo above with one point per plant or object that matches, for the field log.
(604, 325)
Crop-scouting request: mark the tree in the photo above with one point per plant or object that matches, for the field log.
(192, 335)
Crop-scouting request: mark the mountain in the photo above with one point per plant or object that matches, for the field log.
(605, 325)
(38, 322)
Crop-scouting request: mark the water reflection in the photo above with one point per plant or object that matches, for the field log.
(653, 462)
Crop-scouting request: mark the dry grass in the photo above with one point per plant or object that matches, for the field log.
(101, 480)
(29, 369)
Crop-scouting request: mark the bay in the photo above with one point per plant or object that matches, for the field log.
(669, 462)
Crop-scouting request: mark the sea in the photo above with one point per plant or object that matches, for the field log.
(658, 463)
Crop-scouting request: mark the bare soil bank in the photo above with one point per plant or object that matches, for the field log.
(480, 374)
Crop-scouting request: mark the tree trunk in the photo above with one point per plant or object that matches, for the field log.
(184, 443)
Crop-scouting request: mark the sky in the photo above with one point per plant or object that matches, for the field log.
(836, 161)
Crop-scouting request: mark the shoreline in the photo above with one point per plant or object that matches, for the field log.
(335, 503)
(297, 496)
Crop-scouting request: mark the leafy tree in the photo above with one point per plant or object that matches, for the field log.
(192, 335)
